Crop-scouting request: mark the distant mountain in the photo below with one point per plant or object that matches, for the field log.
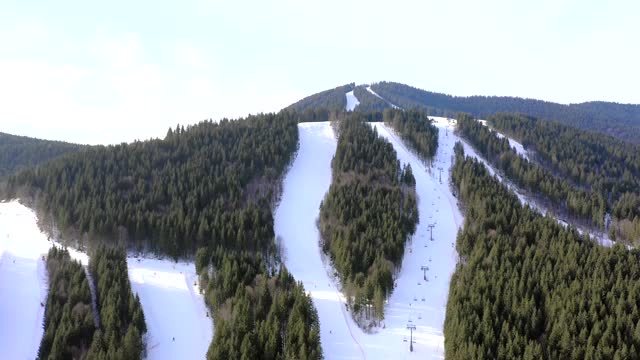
(18, 152)
(331, 99)
(618, 120)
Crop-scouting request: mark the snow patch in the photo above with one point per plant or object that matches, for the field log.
(352, 101)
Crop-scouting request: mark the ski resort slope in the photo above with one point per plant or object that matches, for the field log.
(177, 319)
(352, 101)
(295, 221)
(23, 281)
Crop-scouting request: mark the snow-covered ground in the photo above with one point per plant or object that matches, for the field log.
(295, 220)
(173, 308)
(381, 98)
(23, 281)
(352, 101)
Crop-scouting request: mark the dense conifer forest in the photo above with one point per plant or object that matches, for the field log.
(415, 129)
(21, 152)
(528, 288)
(367, 215)
(593, 161)
(618, 120)
(172, 195)
(68, 320)
(579, 203)
(122, 319)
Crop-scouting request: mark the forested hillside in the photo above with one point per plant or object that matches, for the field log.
(582, 205)
(20, 152)
(211, 187)
(618, 120)
(368, 101)
(527, 288)
(172, 195)
(68, 320)
(367, 215)
(333, 99)
(597, 162)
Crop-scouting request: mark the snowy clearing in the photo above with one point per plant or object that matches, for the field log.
(173, 308)
(352, 101)
(304, 188)
(381, 98)
(23, 281)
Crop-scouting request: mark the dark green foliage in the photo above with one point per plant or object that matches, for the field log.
(20, 152)
(579, 203)
(258, 316)
(123, 323)
(368, 213)
(173, 195)
(68, 319)
(368, 101)
(527, 288)
(618, 120)
(597, 162)
(415, 129)
(333, 99)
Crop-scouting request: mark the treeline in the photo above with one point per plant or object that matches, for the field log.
(367, 215)
(122, 319)
(333, 99)
(416, 130)
(20, 152)
(577, 202)
(174, 195)
(259, 314)
(68, 319)
(527, 288)
(597, 162)
(618, 120)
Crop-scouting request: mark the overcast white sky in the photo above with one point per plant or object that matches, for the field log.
(114, 71)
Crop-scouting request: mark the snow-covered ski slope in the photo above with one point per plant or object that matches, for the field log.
(176, 316)
(23, 281)
(304, 188)
(352, 101)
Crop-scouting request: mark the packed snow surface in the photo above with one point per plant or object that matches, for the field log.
(174, 310)
(23, 281)
(415, 300)
(352, 101)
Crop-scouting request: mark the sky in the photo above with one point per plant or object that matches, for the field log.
(116, 71)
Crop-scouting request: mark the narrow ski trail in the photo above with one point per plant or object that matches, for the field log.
(305, 186)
